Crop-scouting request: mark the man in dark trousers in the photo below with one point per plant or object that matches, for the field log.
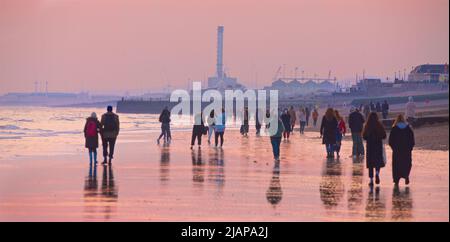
(110, 126)
(356, 124)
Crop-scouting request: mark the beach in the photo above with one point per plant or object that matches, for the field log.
(241, 182)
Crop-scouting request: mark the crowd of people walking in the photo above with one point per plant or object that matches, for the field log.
(333, 128)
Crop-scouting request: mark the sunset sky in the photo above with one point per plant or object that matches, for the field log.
(112, 46)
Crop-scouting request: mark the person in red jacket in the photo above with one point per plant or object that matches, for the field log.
(340, 132)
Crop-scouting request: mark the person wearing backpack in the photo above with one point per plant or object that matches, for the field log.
(91, 130)
(110, 127)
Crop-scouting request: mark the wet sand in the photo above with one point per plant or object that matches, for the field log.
(238, 183)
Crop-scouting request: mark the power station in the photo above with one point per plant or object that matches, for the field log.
(221, 81)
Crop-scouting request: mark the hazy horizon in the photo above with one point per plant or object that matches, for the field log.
(114, 46)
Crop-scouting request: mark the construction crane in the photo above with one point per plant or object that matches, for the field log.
(277, 73)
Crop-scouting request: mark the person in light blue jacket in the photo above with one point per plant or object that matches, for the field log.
(219, 128)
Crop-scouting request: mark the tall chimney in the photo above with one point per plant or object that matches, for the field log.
(219, 53)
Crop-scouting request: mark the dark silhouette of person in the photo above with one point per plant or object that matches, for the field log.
(110, 130)
(164, 119)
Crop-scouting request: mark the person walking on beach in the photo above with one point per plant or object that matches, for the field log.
(275, 138)
(366, 110)
(378, 107)
(374, 134)
(315, 117)
(110, 126)
(245, 125)
(308, 114)
(293, 118)
(286, 119)
(373, 108)
(198, 130)
(410, 112)
(328, 130)
(302, 120)
(211, 125)
(257, 123)
(356, 124)
(92, 129)
(385, 109)
(340, 132)
(219, 128)
(164, 119)
(401, 140)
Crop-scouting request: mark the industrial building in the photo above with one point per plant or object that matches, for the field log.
(221, 81)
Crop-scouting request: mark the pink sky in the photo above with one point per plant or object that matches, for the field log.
(115, 46)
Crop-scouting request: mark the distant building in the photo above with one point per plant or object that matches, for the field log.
(370, 85)
(221, 81)
(296, 88)
(429, 73)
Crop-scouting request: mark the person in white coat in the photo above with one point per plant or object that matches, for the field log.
(302, 120)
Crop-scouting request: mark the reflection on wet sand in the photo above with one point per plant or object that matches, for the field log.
(100, 204)
(164, 170)
(198, 169)
(355, 193)
(402, 204)
(332, 187)
(216, 171)
(221, 185)
(376, 206)
(274, 193)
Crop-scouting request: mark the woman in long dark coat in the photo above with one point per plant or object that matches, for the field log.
(401, 140)
(92, 129)
(328, 130)
(286, 119)
(374, 133)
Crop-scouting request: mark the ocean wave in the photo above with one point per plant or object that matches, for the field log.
(69, 119)
(38, 130)
(25, 120)
(9, 127)
(11, 133)
(11, 138)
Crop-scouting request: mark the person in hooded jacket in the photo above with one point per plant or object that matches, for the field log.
(92, 129)
(401, 140)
